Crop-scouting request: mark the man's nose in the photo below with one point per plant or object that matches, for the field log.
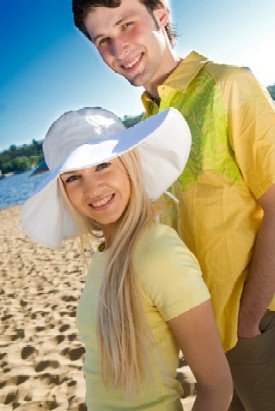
(120, 47)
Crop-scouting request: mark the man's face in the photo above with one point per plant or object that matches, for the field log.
(131, 41)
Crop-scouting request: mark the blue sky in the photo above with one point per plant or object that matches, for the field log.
(47, 66)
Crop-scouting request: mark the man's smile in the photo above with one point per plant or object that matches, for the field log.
(132, 63)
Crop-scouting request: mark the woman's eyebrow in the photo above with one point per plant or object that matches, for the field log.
(69, 172)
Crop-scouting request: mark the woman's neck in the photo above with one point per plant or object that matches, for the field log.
(109, 232)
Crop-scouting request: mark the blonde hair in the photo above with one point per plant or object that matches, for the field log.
(123, 331)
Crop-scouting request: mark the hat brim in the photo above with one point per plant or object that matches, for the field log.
(163, 142)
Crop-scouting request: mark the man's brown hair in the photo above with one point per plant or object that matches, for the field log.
(81, 8)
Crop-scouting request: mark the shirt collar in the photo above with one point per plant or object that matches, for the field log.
(180, 78)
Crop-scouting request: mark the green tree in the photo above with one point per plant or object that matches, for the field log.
(35, 160)
(13, 147)
(21, 164)
(130, 121)
(6, 167)
(271, 90)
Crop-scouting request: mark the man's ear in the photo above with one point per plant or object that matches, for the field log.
(161, 15)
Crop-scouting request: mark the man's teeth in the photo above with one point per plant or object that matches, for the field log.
(102, 201)
(130, 65)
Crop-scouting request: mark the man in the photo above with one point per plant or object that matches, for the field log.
(226, 211)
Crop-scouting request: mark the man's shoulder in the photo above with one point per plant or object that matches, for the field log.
(237, 79)
(223, 72)
(195, 67)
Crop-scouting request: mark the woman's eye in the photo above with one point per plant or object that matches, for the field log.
(102, 166)
(72, 178)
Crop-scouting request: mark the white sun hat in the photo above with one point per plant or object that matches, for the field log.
(90, 136)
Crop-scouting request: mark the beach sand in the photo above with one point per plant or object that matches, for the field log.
(41, 356)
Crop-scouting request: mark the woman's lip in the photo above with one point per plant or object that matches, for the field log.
(103, 206)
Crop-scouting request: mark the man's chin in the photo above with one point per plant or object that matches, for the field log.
(136, 81)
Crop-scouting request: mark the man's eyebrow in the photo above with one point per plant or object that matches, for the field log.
(117, 23)
(97, 37)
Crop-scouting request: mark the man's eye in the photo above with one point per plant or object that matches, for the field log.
(72, 178)
(103, 41)
(127, 24)
(102, 166)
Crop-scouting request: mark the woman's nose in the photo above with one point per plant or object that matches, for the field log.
(91, 184)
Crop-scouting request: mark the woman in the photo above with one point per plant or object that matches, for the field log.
(144, 297)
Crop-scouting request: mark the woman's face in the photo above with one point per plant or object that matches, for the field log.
(99, 192)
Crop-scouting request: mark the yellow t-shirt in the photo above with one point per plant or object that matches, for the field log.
(231, 165)
(171, 283)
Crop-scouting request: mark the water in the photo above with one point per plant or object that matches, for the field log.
(18, 188)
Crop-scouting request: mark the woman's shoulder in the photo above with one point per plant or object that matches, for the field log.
(157, 234)
(160, 243)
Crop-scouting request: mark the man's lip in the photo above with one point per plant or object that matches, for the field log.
(131, 64)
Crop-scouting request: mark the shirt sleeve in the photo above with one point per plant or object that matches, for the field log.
(169, 273)
(251, 120)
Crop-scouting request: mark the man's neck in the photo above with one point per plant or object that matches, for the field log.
(152, 89)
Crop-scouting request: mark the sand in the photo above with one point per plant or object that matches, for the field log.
(41, 355)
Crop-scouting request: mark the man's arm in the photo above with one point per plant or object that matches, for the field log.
(260, 285)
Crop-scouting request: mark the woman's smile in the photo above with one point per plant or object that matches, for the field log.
(102, 203)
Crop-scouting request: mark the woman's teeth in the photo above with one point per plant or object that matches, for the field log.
(102, 201)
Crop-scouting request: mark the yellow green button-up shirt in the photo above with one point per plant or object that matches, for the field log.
(231, 165)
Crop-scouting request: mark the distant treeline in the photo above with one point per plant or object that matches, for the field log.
(21, 158)
(17, 159)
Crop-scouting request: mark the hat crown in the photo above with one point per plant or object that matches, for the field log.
(75, 128)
